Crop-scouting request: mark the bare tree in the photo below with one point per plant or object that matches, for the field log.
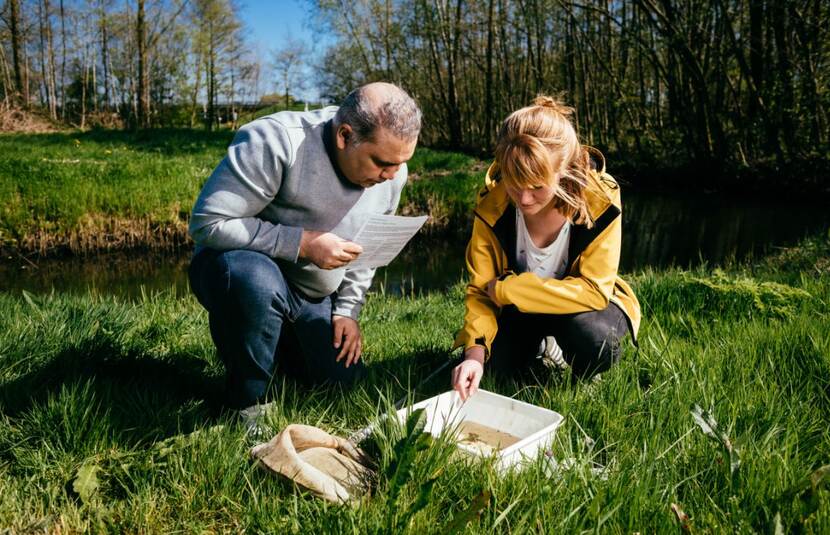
(288, 61)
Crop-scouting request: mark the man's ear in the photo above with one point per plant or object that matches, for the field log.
(343, 136)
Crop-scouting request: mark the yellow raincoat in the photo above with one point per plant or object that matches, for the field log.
(593, 255)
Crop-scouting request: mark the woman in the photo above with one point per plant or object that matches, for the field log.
(543, 255)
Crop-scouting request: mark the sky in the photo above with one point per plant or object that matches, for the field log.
(273, 21)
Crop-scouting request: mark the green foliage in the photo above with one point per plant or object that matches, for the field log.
(54, 182)
(401, 470)
(56, 186)
(442, 185)
(719, 295)
(429, 160)
(108, 423)
(810, 256)
(85, 483)
(707, 423)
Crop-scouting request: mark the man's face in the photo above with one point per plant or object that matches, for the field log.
(372, 161)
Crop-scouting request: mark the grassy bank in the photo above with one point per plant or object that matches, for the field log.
(105, 190)
(123, 392)
(101, 190)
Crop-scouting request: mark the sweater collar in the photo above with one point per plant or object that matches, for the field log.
(331, 151)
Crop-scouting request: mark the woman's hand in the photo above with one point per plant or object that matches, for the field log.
(467, 375)
(491, 292)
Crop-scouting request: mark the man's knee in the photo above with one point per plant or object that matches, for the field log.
(238, 282)
(249, 273)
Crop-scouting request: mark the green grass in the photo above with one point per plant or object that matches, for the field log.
(66, 190)
(56, 184)
(443, 185)
(127, 388)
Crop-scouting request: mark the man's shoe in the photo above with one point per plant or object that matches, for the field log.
(253, 418)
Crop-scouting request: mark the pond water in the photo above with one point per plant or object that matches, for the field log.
(658, 231)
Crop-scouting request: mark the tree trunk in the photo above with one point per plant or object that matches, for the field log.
(784, 70)
(50, 42)
(143, 95)
(211, 78)
(17, 49)
(453, 28)
(488, 78)
(44, 68)
(194, 101)
(8, 88)
(84, 82)
(105, 55)
(63, 62)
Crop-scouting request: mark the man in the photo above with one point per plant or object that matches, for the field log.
(272, 228)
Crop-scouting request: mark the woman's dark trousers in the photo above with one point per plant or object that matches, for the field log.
(590, 341)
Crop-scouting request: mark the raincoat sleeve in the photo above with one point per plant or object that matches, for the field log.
(480, 317)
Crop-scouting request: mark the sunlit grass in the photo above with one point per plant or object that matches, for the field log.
(85, 191)
(122, 386)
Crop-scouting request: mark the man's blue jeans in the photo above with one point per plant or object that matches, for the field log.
(259, 321)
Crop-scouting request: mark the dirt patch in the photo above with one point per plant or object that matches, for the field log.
(17, 120)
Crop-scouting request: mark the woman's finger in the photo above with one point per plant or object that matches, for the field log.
(476, 379)
(464, 381)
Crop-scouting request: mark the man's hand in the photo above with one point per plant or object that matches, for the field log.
(491, 292)
(347, 338)
(467, 375)
(327, 250)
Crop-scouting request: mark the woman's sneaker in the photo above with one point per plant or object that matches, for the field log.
(551, 354)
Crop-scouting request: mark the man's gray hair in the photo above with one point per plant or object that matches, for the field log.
(395, 111)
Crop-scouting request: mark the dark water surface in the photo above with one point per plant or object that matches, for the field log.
(658, 231)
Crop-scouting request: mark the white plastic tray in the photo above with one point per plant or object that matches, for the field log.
(534, 426)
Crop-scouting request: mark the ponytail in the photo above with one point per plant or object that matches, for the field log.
(538, 144)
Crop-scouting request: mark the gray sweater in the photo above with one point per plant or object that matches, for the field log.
(279, 179)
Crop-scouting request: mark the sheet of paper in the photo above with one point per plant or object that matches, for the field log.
(383, 237)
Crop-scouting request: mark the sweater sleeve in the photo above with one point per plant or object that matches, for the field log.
(244, 183)
(480, 313)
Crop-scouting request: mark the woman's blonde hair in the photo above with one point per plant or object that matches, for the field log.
(538, 145)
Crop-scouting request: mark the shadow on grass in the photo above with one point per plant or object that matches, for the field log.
(144, 398)
(409, 374)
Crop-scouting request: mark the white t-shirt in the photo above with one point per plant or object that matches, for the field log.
(547, 262)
